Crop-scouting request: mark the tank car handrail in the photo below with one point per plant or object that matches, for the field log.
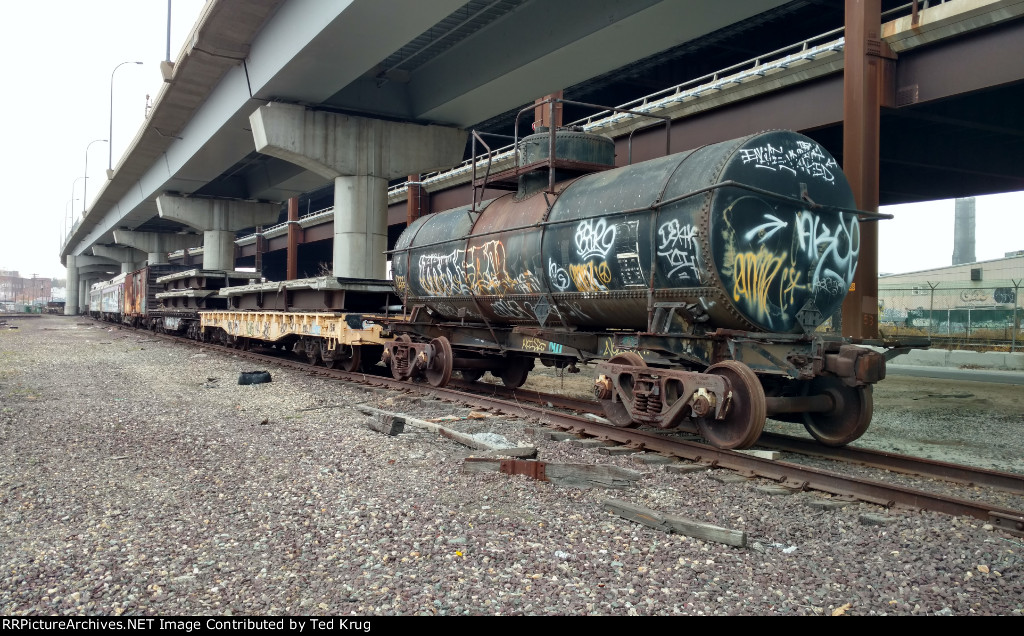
(868, 215)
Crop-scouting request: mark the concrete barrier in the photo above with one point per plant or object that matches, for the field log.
(960, 358)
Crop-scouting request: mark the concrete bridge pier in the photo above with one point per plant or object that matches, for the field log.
(155, 244)
(131, 259)
(360, 155)
(71, 301)
(218, 220)
(83, 270)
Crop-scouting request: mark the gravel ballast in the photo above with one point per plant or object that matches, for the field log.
(139, 478)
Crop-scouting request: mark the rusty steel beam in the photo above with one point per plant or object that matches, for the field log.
(415, 200)
(292, 265)
(541, 112)
(867, 79)
(260, 247)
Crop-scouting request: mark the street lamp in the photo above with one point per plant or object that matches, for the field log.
(110, 157)
(85, 186)
(67, 213)
(72, 197)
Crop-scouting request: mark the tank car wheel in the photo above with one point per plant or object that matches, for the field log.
(616, 412)
(514, 374)
(398, 365)
(471, 375)
(440, 370)
(847, 420)
(744, 421)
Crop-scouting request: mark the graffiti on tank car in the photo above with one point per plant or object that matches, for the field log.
(766, 230)
(510, 309)
(573, 311)
(479, 270)
(594, 237)
(558, 276)
(535, 344)
(401, 286)
(676, 243)
(591, 276)
(442, 274)
(806, 157)
(754, 276)
(834, 250)
(444, 308)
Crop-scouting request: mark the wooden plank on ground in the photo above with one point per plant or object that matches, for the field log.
(387, 424)
(672, 523)
(462, 438)
(575, 475)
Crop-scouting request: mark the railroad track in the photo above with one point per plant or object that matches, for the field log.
(535, 405)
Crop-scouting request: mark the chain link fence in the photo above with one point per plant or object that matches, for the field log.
(957, 316)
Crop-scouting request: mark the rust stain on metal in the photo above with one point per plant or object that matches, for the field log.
(534, 469)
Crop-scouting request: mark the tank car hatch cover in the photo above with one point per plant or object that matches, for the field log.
(784, 266)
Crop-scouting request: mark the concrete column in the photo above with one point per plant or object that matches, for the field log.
(360, 155)
(360, 233)
(218, 219)
(219, 250)
(83, 294)
(71, 302)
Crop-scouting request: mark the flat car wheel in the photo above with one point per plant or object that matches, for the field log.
(312, 353)
(847, 420)
(440, 370)
(471, 375)
(347, 357)
(615, 411)
(744, 421)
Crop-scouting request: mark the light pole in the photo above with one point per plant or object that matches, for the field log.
(85, 186)
(110, 136)
(67, 213)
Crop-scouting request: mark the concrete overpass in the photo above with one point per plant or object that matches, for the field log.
(464, 64)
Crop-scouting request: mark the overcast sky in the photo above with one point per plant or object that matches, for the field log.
(56, 59)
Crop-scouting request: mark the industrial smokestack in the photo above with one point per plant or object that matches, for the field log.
(963, 232)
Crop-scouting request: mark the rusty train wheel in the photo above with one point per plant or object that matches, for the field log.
(747, 408)
(440, 370)
(348, 357)
(311, 350)
(400, 361)
(514, 373)
(849, 417)
(616, 412)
